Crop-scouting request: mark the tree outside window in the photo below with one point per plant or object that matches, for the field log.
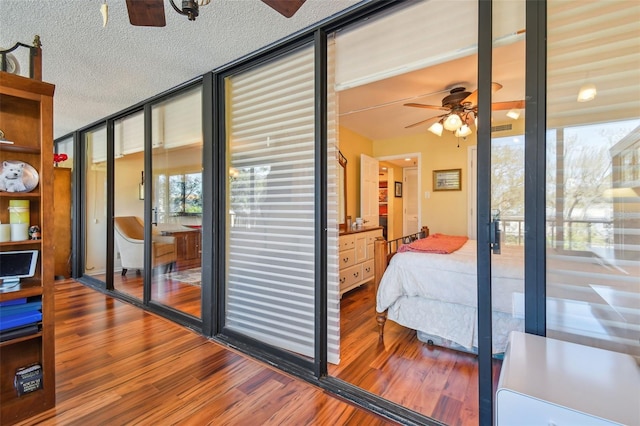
(185, 194)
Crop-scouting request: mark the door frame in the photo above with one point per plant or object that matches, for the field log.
(418, 166)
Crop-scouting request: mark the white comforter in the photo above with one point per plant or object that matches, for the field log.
(437, 293)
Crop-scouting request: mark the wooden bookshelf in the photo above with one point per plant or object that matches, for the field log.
(26, 118)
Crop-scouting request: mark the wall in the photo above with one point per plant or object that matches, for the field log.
(351, 145)
(443, 211)
(128, 174)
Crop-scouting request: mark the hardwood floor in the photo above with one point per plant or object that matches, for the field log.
(434, 381)
(176, 294)
(117, 364)
(437, 382)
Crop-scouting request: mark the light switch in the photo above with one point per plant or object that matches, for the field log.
(427, 194)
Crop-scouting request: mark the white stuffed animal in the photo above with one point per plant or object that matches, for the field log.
(11, 177)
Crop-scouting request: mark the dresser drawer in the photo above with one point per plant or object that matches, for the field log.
(368, 269)
(347, 242)
(347, 258)
(351, 276)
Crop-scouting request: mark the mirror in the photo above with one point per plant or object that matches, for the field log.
(342, 192)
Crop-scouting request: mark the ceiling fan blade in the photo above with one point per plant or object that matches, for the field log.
(508, 105)
(472, 99)
(146, 13)
(422, 122)
(286, 8)
(441, 108)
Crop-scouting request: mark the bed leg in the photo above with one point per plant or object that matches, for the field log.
(381, 319)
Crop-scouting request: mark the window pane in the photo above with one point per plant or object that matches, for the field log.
(593, 196)
(176, 181)
(95, 199)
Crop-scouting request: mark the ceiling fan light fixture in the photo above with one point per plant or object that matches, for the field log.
(587, 92)
(463, 131)
(436, 128)
(452, 122)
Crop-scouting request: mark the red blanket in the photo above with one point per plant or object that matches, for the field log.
(436, 243)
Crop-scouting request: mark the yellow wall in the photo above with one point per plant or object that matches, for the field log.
(443, 211)
(352, 145)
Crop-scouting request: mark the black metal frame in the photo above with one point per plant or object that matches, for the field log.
(535, 289)
(485, 52)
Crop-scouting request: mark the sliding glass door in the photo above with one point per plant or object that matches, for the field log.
(176, 202)
(270, 223)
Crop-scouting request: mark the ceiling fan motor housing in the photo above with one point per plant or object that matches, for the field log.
(190, 8)
(455, 98)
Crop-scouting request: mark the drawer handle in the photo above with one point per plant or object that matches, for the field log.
(355, 274)
(342, 280)
(368, 269)
(345, 259)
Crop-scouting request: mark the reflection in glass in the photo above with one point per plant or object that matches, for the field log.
(95, 197)
(176, 203)
(128, 207)
(593, 196)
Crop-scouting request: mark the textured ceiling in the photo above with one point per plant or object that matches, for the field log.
(99, 71)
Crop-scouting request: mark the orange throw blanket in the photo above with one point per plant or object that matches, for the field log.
(436, 243)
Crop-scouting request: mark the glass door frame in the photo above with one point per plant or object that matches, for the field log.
(81, 239)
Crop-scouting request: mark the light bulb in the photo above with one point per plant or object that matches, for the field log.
(587, 93)
(514, 114)
(453, 122)
(436, 128)
(463, 131)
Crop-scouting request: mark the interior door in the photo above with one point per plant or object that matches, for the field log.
(411, 201)
(369, 211)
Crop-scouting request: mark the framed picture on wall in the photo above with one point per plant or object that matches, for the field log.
(446, 180)
(398, 189)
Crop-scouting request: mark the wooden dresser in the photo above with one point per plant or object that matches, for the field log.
(356, 257)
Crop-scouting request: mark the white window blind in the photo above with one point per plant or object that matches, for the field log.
(97, 145)
(129, 134)
(270, 273)
(183, 119)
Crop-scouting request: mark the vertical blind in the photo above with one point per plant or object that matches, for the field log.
(270, 266)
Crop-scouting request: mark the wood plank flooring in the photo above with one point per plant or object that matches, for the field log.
(434, 381)
(437, 382)
(116, 364)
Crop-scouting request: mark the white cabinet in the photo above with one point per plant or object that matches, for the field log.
(356, 258)
(545, 381)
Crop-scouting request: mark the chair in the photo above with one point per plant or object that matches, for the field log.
(130, 241)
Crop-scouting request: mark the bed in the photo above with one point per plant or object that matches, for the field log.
(435, 294)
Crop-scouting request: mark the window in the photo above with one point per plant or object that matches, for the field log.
(185, 194)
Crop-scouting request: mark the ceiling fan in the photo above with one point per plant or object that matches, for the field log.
(150, 13)
(462, 110)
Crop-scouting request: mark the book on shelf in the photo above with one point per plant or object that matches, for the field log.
(12, 302)
(18, 319)
(15, 332)
(35, 305)
(28, 379)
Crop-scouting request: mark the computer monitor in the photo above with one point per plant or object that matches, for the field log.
(15, 265)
